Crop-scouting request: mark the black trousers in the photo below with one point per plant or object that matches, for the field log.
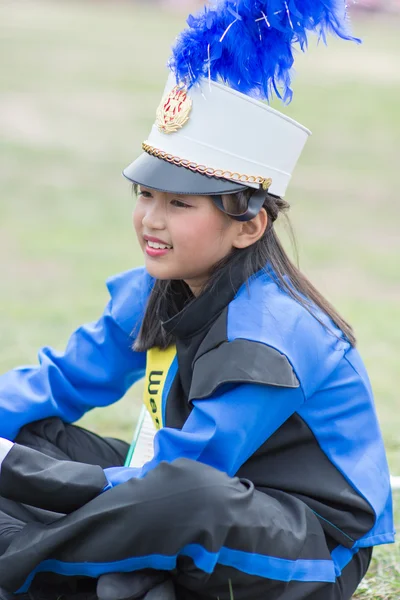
(180, 504)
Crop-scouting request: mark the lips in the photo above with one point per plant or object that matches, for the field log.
(156, 243)
(156, 247)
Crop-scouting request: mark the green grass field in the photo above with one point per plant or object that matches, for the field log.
(78, 90)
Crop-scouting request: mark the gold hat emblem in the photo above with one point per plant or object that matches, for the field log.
(174, 110)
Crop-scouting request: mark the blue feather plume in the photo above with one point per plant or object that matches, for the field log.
(249, 44)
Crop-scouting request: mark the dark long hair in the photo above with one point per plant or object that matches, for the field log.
(266, 253)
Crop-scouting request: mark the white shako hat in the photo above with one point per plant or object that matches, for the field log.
(223, 135)
(214, 132)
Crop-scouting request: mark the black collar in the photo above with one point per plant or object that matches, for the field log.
(198, 313)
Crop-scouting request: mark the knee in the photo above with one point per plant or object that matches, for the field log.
(197, 474)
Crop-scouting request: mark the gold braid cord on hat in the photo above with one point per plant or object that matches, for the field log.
(183, 162)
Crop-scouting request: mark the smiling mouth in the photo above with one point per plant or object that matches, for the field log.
(158, 245)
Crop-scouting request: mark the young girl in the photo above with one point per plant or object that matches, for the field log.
(268, 477)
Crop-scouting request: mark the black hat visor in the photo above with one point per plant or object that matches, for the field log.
(158, 174)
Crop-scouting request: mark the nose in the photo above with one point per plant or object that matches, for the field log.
(154, 215)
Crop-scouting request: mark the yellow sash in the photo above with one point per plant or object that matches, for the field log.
(157, 367)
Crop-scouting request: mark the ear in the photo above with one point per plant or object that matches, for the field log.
(251, 231)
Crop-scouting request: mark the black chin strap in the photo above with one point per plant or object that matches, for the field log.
(253, 208)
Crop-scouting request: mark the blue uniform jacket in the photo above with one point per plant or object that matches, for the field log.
(233, 417)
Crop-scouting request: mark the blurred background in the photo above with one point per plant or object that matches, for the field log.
(79, 85)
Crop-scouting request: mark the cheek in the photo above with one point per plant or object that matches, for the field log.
(203, 235)
(191, 232)
(137, 218)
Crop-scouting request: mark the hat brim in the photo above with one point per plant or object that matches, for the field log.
(158, 174)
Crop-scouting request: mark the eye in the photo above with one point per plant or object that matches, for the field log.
(179, 204)
(144, 194)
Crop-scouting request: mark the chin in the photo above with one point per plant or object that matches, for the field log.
(160, 271)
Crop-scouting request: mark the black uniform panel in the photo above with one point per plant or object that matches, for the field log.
(240, 361)
(292, 460)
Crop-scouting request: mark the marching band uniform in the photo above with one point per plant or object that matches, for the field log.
(269, 477)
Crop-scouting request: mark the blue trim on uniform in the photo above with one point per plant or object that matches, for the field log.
(376, 540)
(270, 567)
(167, 386)
(341, 557)
(88, 569)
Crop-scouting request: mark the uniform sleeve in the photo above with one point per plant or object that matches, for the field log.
(222, 431)
(33, 478)
(96, 369)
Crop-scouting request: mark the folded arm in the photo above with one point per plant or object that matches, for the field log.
(222, 432)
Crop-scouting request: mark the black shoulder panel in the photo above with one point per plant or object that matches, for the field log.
(240, 361)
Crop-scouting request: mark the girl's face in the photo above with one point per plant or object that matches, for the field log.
(182, 237)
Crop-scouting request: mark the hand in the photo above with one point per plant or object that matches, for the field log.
(139, 585)
(162, 591)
